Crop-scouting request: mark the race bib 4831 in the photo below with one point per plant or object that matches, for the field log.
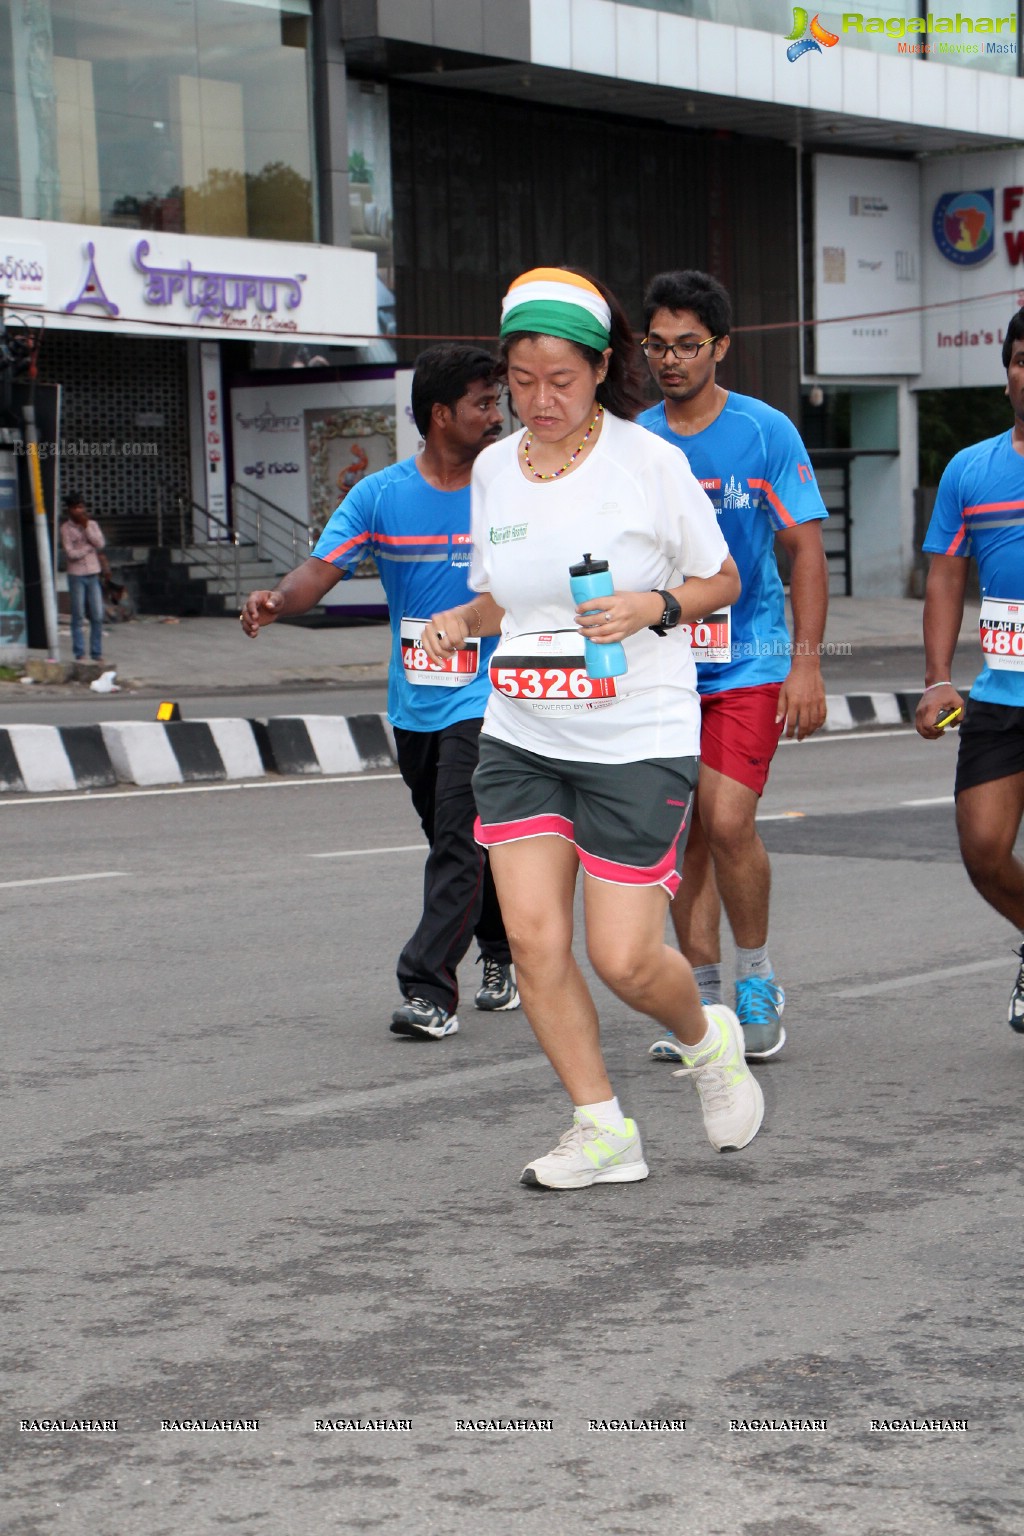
(455, 671)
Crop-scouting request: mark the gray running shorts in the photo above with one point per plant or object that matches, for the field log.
(628, 820)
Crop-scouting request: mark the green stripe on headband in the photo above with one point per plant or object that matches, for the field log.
(550, 317)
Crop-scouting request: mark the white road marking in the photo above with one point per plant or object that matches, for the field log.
(104, 874)
(912, 981)
(356, 853)
(820, 738)
(935, 800)
(100, 797)
(420, 1087)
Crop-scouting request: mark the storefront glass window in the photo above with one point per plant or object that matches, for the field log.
(191, 116)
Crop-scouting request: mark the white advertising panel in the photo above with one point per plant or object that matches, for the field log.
(972, 242)
(867, 243)
(303, 446)
(144, 283)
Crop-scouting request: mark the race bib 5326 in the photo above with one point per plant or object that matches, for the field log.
(546, 673)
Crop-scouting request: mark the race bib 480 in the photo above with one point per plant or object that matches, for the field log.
(1002, 634)
(546, 673)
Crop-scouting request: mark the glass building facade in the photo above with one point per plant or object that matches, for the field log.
(997, 52)
(188, 116)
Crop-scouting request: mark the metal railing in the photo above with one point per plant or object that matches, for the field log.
(222, 549)
(259, 529)
(278, 536)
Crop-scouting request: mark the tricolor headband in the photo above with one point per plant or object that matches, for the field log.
(554, 302)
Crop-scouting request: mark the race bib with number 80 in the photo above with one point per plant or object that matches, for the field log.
(711, 638)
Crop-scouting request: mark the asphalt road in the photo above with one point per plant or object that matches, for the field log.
(230, 1193)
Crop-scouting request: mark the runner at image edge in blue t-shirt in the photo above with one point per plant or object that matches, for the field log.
(979, 511)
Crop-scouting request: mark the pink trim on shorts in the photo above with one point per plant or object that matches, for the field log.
(497, 832)
(664, 873)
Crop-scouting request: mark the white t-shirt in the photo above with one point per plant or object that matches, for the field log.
(633, 502)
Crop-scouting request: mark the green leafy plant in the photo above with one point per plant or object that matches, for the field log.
(358, 170)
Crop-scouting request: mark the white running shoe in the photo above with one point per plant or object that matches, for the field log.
(589, 1154)
(669, 1047)
(730, 1095)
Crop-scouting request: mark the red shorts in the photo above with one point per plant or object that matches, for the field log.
(739, 733)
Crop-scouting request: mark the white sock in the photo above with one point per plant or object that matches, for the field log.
(712, 1037)
(607, 1115)
(753, 962)
(709, 981)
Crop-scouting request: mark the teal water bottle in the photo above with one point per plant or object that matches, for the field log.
(592, 578)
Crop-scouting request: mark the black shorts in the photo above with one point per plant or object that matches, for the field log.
(628, 820)
(991, 744)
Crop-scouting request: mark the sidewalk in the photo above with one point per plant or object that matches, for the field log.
(189, 656)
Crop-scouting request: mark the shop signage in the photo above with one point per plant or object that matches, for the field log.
(867, 278)
(23, 271)
(972, 267)
(149, 283)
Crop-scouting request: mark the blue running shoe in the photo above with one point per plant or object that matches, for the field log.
(759, 1004)
(1016, 1012)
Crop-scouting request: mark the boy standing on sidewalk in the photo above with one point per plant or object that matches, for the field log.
(83, 542)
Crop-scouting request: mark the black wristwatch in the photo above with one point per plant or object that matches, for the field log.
(670, 616)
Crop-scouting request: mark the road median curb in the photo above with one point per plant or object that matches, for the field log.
(49, 759)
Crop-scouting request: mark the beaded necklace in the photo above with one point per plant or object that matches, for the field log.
(528, 443)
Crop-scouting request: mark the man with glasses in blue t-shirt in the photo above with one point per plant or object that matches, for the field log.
(752, 681)
(979, 511)
(414, 518)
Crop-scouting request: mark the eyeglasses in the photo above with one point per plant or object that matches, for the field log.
(685, 351)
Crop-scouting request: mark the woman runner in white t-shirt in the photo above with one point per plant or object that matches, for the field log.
(599, 773)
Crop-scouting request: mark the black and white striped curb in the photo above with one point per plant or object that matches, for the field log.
(36, 759)
(855, 711)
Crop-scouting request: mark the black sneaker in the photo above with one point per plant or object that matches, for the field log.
(499, 992)
(1016, 1009)
(417, 1016)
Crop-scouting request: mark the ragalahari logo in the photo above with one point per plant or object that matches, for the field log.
(798, 40)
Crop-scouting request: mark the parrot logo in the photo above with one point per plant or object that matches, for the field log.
(800, 43)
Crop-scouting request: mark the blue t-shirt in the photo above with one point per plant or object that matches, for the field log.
(979, 511)
(420, 539)
(754, 466)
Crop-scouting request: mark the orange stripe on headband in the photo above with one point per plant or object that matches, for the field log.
(554, 275)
